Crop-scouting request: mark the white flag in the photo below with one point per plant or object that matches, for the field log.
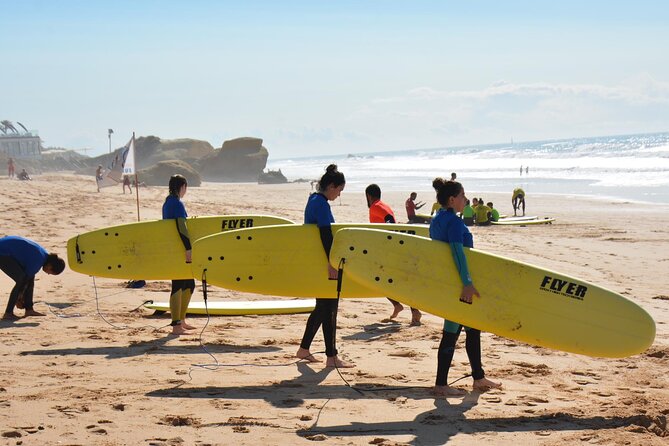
(129, 157)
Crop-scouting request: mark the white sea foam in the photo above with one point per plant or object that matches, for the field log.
(629, 167)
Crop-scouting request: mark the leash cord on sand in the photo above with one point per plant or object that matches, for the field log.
(117, 327)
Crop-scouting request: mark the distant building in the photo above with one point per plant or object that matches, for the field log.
(19, 144)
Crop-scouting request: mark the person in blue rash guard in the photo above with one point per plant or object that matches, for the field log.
(182, 289)
(447, 227)
(318, 212)
(21, 259)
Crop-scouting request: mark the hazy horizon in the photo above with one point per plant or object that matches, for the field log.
(334, 78)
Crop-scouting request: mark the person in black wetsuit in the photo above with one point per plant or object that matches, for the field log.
(318, 212)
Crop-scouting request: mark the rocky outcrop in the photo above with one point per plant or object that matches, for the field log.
(272, 177)
(238, 160)
(159, 174)
(150, 150)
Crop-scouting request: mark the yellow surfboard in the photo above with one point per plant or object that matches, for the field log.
(241, 308)
(285, 260)
(518, 301)
(150, 250)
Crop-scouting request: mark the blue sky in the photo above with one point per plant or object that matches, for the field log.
(317, 77)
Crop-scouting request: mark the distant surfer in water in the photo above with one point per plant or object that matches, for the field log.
(518, 200)
(182, 289)
(318, 212)
(21, 259)
(380, 212)
(447, 227)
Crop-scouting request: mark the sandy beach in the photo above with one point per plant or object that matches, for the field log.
(101, 369)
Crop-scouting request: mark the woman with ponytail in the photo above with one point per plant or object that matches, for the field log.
(318, 212)
(447, 227)
(182, 289)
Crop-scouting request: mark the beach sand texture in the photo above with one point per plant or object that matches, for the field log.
(106, 372)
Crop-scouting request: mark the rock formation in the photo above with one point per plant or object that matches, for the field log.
(238, 160)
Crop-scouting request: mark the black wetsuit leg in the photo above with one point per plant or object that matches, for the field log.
(445, 356)
(14, 270)
(325, 314)
(473, 347)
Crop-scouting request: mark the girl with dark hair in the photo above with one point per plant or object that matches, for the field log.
(448, 227)
(182, 289)
(318, 212)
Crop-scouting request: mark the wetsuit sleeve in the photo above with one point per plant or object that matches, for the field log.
(183, 232)
(389, 219)
(461, 262)
(326, 238)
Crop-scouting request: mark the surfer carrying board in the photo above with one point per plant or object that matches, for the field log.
(447, 227)
(21, 259)
(182, 289)
(380, 212)
(318, 212)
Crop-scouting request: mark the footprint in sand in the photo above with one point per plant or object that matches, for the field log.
(95, 429)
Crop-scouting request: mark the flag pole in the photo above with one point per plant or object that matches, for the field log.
(136, 179)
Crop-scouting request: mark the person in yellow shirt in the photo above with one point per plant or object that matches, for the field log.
(518, 200)
(482, 213)
(435, 207)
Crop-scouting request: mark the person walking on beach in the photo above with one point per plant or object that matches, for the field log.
(518, 200)
(448, 228)
(182, 289)
(380, 212)
(10, 168)
(126, 182)
(412, 207)
(98, 176)
(21, 259)
(318, 212)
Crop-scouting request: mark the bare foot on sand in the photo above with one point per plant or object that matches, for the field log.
(415, 317)
(186, 326)
(10, 317)
(334, 361)
(448, 391)
(397, 309)
(33, 313)
(305, 354)
(484, 384)
(178, 330)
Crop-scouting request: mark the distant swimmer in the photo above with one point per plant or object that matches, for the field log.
(412, 207)
(518, 200)
(521, 170)
(453, 176)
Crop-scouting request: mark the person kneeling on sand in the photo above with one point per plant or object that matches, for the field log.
(21, 259)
